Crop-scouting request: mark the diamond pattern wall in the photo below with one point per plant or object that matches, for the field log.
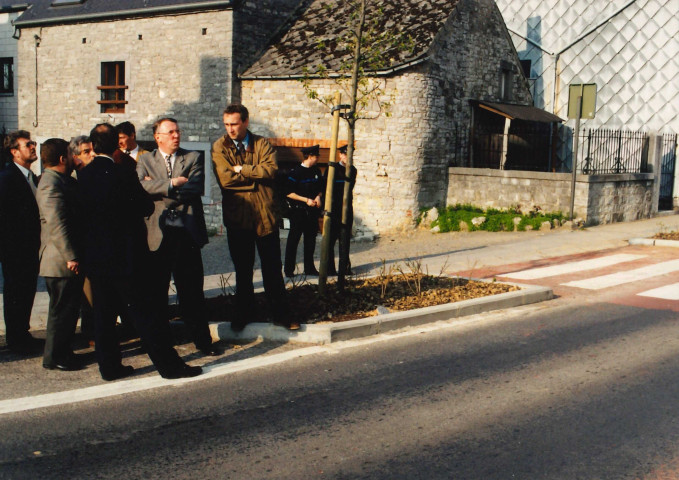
(630, 49)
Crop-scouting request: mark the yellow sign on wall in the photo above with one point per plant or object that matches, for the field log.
(588, 93)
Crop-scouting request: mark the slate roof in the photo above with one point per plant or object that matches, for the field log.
(43, 13)
(13, 5)
(321, 20)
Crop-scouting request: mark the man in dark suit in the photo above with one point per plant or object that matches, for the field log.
(19, 241)
(60, 246)
(176, 232)
(114, 260)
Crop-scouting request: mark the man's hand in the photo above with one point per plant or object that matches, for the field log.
(179, 181)
(237, 168)
(147, 178)
(73, 266)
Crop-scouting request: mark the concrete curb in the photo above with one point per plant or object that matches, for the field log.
(326, 333)
(654, 242)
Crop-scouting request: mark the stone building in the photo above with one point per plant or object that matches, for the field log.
(462, 52)
(9, 11)
(90, 61)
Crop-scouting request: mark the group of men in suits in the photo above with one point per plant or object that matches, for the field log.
(117, 233)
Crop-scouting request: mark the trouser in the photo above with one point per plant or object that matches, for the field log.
(62, 317)
(20, 276)
(340, 233)
(108, 293)
(179, 256)
(242, 245)
(301, 223)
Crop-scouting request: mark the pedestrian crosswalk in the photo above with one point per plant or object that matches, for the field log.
(626, 270)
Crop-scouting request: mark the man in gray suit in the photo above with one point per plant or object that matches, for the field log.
(60, 244)
(176, 230)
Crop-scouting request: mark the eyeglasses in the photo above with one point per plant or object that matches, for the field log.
(28, 144)
(171, 132)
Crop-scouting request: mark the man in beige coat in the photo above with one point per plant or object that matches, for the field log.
(245, 166)
(60, 244)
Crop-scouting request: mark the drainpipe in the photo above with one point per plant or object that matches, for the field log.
(37, 44)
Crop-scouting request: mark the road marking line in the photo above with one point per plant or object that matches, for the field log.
(133, 385)
(668, 292)
(572, 267)
(605, 281)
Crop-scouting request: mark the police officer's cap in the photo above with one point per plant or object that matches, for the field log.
(343, 149)
(313, 151)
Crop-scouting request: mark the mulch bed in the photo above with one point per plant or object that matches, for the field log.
(361, 297)
(666, 236)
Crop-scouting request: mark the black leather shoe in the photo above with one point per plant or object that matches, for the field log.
(212, 350)
(121, 372)
(185, 371)
(29, 346)
(70, 366)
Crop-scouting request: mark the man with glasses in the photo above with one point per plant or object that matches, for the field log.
(19, 241)
(176, 231)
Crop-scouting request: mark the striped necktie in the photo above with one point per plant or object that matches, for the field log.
(168, 165)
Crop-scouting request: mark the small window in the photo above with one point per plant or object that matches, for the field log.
(526, 66)
(506, 79)
(7, 85)
(112, 87)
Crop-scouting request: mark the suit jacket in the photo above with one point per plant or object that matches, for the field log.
(61, 223)
(185, 200)
(122, 158)
(114, 205)
(140, 152)
(19, 217)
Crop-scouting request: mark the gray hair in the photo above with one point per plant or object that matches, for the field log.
(74, 144)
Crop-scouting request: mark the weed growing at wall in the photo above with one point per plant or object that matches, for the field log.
(451, 219)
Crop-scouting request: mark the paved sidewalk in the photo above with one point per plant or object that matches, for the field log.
(444, 252)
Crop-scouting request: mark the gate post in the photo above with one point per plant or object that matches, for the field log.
(654, 164)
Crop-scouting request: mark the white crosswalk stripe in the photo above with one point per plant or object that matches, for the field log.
(572, 267)
(619, 278)
(668, 292)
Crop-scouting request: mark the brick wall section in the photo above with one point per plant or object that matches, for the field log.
(402, 160)
(598, 198)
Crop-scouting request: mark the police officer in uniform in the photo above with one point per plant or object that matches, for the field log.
(304, 186)
(336, 216)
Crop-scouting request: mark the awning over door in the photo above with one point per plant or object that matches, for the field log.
(519, 112)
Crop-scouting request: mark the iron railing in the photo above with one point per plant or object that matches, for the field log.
(612, 151)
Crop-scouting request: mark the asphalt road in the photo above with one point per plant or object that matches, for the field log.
(560, 390)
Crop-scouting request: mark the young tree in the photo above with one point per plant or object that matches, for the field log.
(356, 55)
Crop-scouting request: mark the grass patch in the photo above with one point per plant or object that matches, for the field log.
(496, 220)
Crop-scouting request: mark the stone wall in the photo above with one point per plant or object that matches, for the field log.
(176, 65)
(402, 160)
(598, 198)
(8, 48)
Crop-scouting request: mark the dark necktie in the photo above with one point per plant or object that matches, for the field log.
(241, 148)
(168, 166)
(32, 181)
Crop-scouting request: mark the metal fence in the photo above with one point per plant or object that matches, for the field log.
(612, 151)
